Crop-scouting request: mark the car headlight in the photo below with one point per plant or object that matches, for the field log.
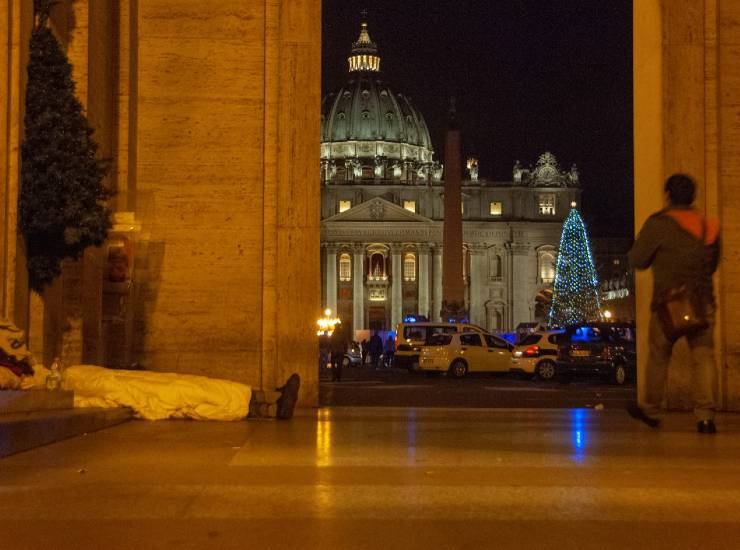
(517, 354)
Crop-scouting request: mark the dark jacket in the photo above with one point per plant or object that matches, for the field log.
(670, 242)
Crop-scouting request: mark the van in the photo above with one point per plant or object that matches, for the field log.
(411, 337)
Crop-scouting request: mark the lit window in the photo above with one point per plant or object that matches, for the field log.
(462, 208)
(410, 205)
(495, 209)
(344, 206)
(345, 267)
(547, 204)
(409, 267)
(547, 261)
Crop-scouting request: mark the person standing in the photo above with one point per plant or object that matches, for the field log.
(375, 348)
(682, 248)
(389, 351)
(363, 349)
(338, 342)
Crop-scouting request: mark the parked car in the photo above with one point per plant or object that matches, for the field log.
(411, 338)
(536, 354)
(604, 349)
(463, 352)
(353, 356)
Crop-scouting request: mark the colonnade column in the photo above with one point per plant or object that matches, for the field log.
(437, 281)
(396, 286)
(477, 284)
(358, 292)
(424, 280)
(331, 277)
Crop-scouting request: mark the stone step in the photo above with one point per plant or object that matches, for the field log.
(25, 430)
(34, 400)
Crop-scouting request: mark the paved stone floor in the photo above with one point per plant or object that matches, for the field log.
(381, 478)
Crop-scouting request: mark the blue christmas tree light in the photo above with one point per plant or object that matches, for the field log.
(576, 294)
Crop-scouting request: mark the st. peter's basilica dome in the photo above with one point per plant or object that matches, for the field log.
(370, 132)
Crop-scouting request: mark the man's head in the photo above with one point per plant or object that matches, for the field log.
(680, 190)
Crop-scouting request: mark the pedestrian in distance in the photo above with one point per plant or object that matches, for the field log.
(338, 343)
(363, 349)
(375, 348)
(682, 247)
(389, 351)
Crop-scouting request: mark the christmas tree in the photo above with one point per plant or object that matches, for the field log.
(576, 293)
(61, 205)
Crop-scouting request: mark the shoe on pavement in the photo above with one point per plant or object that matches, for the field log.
(286, 402)
(638, 414)
(706, 427)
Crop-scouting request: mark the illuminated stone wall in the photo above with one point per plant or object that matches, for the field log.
(210, 113)
(227, 188)
(687, 99)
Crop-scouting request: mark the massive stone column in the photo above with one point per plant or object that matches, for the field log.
(478, 278)
(358, 282)
(396, 285)
(437, 284)
(453, 285)
(687, 84)
(16, 20)
(227, 136)
(331, 277)
(423, 281)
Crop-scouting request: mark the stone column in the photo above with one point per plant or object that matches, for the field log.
(358, 294)
(437, 281)
(520, 276)
(478, 278)
(396, 285)
(423, 281)
(331, 277)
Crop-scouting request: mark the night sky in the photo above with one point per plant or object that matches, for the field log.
(528, 76)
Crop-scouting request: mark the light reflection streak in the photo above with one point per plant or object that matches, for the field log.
(323, 438)
(579, 433)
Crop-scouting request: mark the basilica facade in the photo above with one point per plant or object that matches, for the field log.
(382, 215)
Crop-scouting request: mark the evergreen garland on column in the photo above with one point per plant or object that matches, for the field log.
(576, 293)
(61, 205)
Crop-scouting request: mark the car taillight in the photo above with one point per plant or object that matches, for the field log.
(532, 351)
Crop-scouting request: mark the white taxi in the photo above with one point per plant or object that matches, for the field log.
(536, 354)
(461, 353)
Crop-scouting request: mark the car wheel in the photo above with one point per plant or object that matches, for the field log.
(619, 376)
(346, 362)
(458, 369)
(546, 370)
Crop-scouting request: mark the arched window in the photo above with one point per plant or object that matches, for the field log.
(409, 267)
(546, 264)
(495, 267)
(345, 267)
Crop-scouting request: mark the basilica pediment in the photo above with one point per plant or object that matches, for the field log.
(377, 210)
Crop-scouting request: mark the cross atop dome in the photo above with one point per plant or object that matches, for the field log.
(364, 56)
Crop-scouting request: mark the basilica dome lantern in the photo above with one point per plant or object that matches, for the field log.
(369, 133)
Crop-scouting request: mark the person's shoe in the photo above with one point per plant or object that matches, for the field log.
(706, 427)
(638, 414)
(286, 402)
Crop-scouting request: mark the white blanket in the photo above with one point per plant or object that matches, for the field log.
(158, 395)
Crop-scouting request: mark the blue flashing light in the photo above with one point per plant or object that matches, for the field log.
(409, 319)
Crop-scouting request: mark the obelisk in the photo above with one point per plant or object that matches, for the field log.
(453, 285)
